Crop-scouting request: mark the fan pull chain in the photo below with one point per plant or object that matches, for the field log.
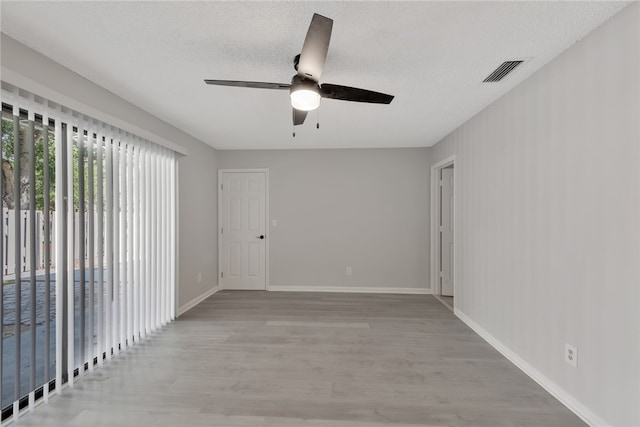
(318, 118)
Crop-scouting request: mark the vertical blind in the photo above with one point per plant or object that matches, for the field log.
(88, 245)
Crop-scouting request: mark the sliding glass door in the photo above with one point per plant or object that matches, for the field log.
(87, 238)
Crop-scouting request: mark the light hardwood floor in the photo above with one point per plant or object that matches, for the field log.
(277, 359)
(447, 301)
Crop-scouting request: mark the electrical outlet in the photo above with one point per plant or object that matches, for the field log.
(571, 355)
(349, 271)
(199, 277)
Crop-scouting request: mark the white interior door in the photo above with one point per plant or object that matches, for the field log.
(243, 231)
(446, 232)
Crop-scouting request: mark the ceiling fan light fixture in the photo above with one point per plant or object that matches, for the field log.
(305, 99)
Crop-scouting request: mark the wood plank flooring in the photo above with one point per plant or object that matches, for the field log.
(276, 359)
(447, 301)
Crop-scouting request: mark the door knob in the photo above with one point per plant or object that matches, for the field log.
(260, 236)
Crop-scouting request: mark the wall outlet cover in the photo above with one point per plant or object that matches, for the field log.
(571, 355)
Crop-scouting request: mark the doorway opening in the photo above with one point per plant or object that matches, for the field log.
(443, 231)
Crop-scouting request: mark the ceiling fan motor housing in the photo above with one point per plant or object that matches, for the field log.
(298, 82)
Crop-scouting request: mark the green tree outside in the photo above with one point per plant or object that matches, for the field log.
(8, 158)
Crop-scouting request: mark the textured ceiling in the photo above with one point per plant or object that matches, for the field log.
(432, 56)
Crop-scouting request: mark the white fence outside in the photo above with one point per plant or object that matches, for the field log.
(9, 237)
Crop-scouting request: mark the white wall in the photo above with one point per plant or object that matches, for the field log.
(548, 225)
(198, 222)
(197, 225)
(367, 209)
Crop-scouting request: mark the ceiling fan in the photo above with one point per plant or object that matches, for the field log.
(305, 90)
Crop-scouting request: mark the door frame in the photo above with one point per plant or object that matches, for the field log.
(266, 218)
(435, 232)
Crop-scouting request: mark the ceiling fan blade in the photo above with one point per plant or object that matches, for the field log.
(299, 116)
(346, 93)
(314, 49)
(240, 83)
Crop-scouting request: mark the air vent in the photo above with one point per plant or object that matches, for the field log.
(502, 71)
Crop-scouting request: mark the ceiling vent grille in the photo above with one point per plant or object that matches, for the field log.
(502, 71)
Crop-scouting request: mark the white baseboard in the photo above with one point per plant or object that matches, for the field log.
(197, 300)
(565, 398)
(350, 289)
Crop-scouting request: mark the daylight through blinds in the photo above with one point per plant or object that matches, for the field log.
(88, 245)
